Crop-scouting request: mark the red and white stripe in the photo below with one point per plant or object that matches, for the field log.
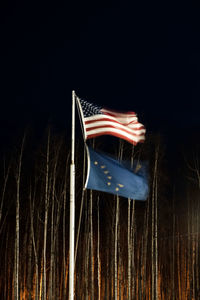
(122, 125)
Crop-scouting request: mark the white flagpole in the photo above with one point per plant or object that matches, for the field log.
(72, 205)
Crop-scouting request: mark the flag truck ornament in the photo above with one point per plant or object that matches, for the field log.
(99, 121)
(111, 176)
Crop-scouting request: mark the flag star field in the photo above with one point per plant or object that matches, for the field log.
(109, 175)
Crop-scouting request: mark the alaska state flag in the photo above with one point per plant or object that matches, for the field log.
(109, 175)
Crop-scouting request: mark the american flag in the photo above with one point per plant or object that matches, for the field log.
(100, 121)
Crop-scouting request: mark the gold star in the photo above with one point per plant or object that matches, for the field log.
(109, 177)
(120, 185)
(96, 162)
(108, 183)
(117, 189)
(138, 167)
(103, 167)
(106, 172)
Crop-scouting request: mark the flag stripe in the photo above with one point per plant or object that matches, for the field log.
(116, 132)
(97, 125)
(131, 126)
(118, 114)
(131, 141)
(122, 120)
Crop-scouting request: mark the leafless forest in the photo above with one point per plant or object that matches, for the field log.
(124, 249)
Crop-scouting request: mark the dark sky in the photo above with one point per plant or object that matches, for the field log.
(133, 55)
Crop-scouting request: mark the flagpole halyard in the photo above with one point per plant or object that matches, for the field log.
(72, 205)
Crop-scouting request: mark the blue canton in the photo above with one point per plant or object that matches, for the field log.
(90, 109)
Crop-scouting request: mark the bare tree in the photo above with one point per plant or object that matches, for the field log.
(98, 252)
(154, 241)
(5, 180)
(32, 208)
(130, 245)
(116, 248)
(18, 180)
(64, 227)
(91, 248)
(53, 226)
(46, 217)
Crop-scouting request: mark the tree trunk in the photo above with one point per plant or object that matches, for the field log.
(156, 240)
(6, 174)
(173, 253)
(29, 273)
(52, 251)
(116, 244)
(154, 247)
(64, 228)
(46, 219)
(129, 250)
(31, 202)
(98, 252)
(86, 260)
(133, 273)
(18, 179)
(144, 263)
(91, 250)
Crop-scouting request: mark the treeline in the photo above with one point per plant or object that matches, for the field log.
(125, 249)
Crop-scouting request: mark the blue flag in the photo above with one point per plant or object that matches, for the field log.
(109, 175)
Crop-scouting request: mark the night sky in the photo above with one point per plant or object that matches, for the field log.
(128, 55)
